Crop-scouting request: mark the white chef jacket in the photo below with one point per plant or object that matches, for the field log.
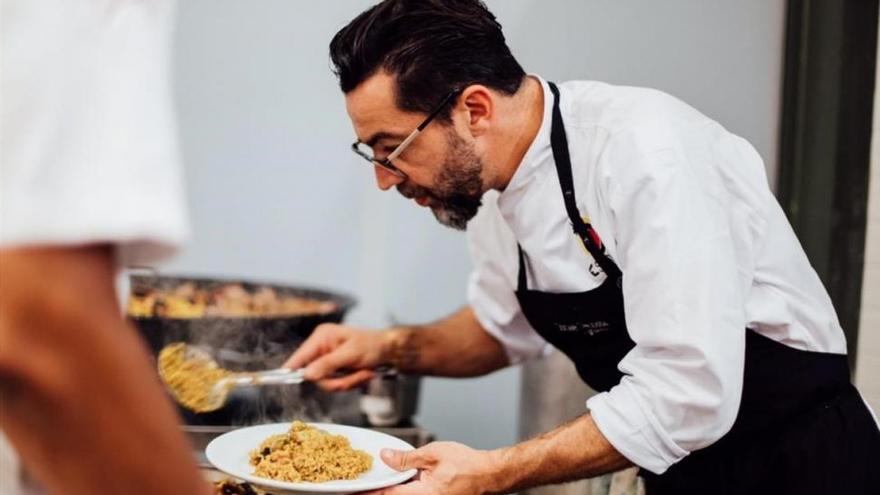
(684, 209)
(88, 150)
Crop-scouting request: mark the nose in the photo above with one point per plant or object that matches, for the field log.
(385, 179)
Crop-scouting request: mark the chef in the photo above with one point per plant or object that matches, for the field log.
(620, 226)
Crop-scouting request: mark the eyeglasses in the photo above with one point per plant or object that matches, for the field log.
(364, 151)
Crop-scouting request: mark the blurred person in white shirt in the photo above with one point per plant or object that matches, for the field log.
(89, 181)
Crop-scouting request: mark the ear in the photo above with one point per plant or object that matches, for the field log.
(478, 102)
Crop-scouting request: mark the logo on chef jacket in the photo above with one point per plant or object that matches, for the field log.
(594, 268)
(588, 327)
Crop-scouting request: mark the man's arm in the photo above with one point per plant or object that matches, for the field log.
(78, 397)
(456, 346)
(573, 451)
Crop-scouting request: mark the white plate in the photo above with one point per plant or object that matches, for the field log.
(230, 453)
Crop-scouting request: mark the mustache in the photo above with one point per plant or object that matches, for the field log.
(454, 201)
(412, 191)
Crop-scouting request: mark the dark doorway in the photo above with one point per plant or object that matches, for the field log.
(825, 142)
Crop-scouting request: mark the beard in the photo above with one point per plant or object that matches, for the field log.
(458, 194)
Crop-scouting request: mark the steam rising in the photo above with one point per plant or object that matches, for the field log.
(251, 344)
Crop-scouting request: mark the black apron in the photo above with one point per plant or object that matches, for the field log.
(801, 426)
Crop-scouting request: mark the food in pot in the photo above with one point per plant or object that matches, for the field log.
(190, 380)
(230, 300)
(305, 453)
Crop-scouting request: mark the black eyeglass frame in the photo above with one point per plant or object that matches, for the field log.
(386, 162)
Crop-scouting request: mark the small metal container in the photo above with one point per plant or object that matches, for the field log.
(390, 400)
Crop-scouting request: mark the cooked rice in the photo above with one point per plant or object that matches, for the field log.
(305, 453)
(189, 380)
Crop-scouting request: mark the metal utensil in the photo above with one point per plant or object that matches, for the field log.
(219, 393)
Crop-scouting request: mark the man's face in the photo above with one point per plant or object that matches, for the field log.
(443, 170)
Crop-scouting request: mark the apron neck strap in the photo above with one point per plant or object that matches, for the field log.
(559, 144)
(521, 281)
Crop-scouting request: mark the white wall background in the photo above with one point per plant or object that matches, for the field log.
(275, 193)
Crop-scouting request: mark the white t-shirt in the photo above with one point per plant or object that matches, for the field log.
(88, 144)
(684, 209)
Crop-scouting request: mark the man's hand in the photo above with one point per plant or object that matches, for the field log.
(332, 348)
(446, 468)
(456, 346)
(573, 451)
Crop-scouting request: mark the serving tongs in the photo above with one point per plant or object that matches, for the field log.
(221, 390)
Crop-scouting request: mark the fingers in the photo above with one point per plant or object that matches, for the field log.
(332, 348)
(412, 488)
(403, 460)
(421, 459)
(347, 382)
(313, 347)
(344, 356)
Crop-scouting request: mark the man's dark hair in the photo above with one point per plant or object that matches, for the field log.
(430, 46)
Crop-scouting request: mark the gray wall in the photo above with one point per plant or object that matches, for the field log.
(274, 192)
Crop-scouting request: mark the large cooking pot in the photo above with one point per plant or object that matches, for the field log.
(242, 343)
